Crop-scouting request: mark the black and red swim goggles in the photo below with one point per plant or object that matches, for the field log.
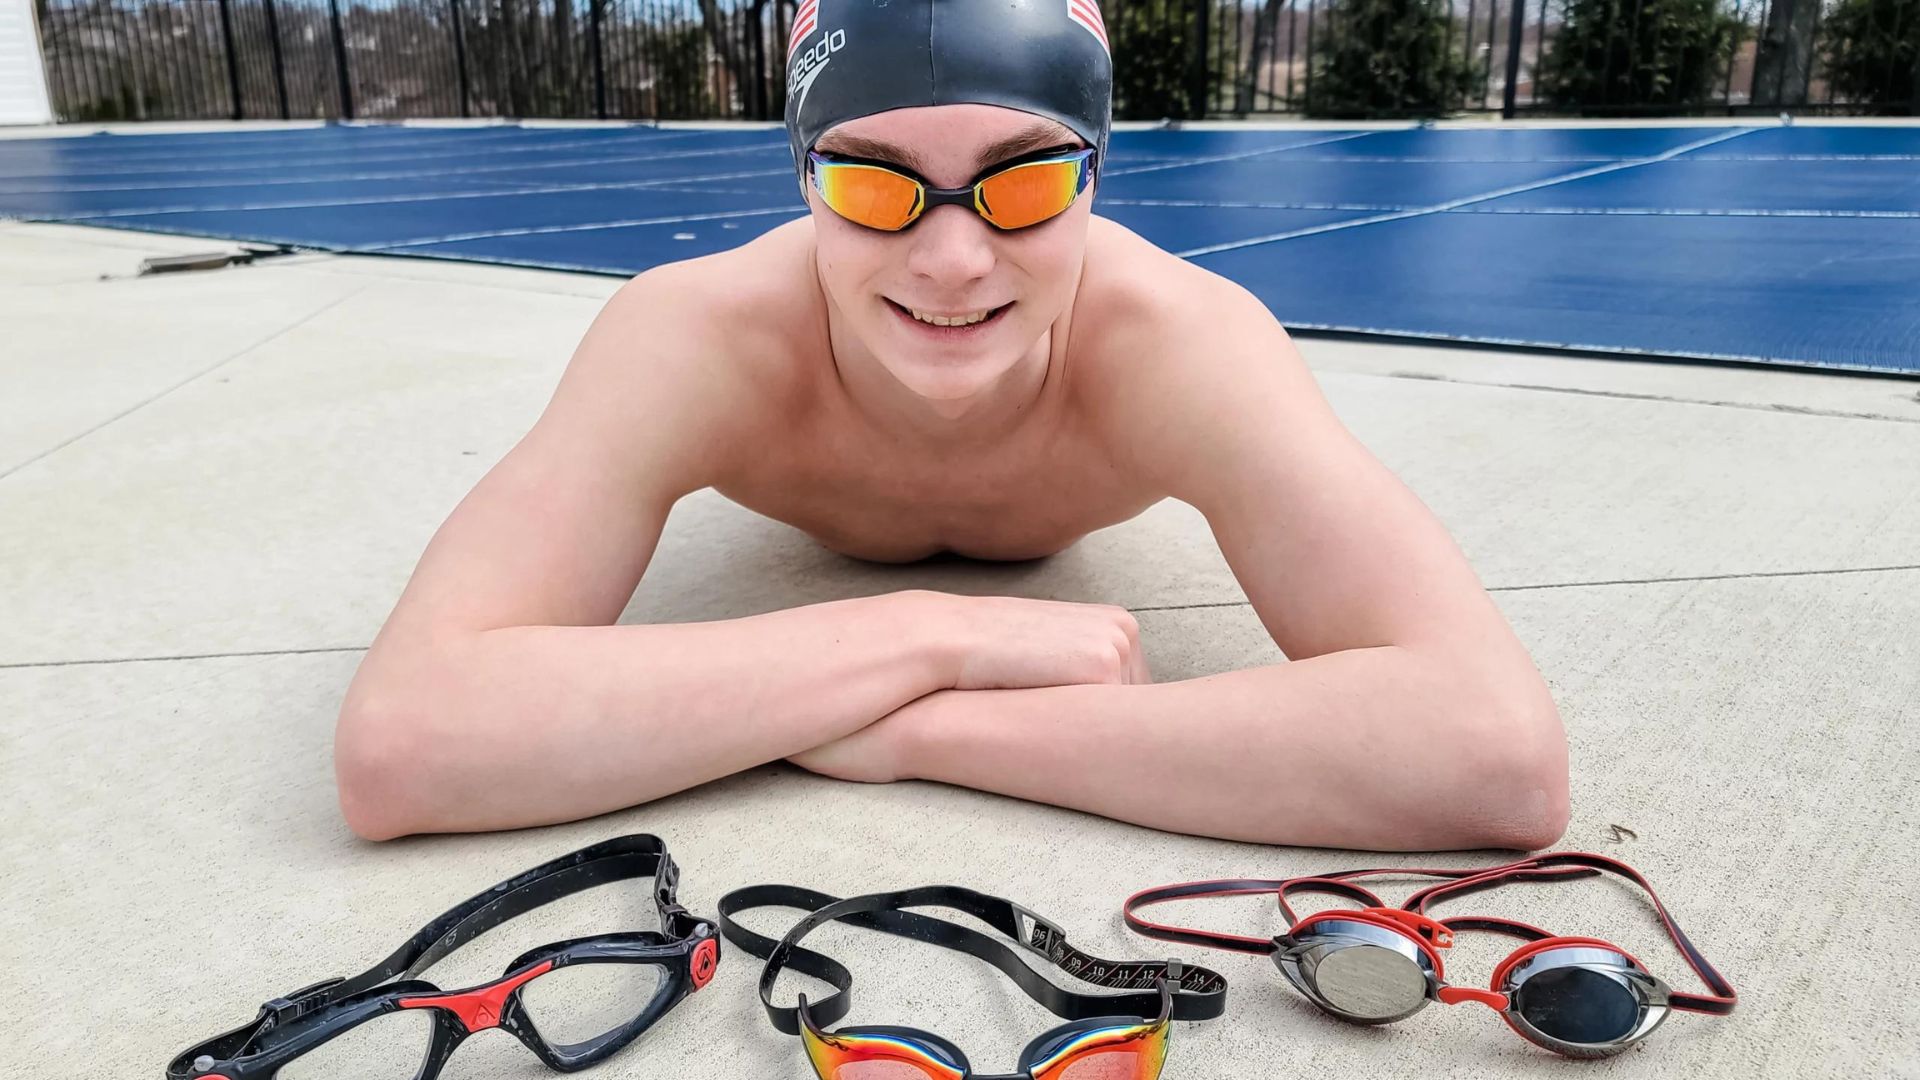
(573, 1003)
(1578, 996)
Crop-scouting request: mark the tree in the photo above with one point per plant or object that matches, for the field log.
(1631, 54)
(1873, 55)
(1783, 60)
(1388, 58)
(1154, 47)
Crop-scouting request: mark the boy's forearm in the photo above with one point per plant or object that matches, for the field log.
(533, 725)
(1376, 749)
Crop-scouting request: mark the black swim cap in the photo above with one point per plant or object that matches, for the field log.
(854, 58)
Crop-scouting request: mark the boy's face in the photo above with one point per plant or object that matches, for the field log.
(950, 263)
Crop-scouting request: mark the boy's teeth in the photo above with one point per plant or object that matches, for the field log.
(942, 320)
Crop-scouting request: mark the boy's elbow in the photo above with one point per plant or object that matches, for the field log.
(378, 765)
(1518, 777)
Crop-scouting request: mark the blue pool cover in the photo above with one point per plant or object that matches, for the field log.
(1784, 245)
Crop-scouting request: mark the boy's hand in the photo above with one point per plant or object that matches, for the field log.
(1011, 643)
(876, 754)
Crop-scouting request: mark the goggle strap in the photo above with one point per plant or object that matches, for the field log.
(1488, 925)
(822, 1012)
(1190, 936)
(619, 859)
(222, 1047)
(1335, 884)
(1196, 992)
(1585, 864)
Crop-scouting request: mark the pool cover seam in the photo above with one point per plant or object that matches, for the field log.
(16, 665)
(629, 185)
(541, 230)
(1381, 208)
(1187, 163)
(404, 174)
(98, 216)
(440, 173)
(1454, 204)
(1660, 211)
(160, 163)
(505, 133)
(592, 226)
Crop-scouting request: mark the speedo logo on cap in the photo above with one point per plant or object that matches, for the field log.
(804, 67)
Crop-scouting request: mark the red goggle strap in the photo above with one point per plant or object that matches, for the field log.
(1190, 889)
(1720, 1002)
(1335, 884)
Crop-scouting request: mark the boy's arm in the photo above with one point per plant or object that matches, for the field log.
(495, 696)
(1409, 716)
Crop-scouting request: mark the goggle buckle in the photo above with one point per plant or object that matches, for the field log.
(1432, 931)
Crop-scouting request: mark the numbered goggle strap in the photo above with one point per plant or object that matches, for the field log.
(621, 858)
(1197, 993)
(1720, 1002)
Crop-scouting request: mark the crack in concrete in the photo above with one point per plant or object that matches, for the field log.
(1629, 395)
(1163, 607)
(124, 413)
(184, 656)
(1755, 574)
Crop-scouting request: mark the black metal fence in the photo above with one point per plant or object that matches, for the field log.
(697, 59)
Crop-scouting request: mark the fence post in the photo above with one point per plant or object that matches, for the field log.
(1516, 22)
(1203, 71)
(340, 62)
(460, 54)
(279, 63)
(233, 60)
(757, 48)
(599, 65)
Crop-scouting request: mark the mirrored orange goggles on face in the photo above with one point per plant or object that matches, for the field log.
(1015, 197)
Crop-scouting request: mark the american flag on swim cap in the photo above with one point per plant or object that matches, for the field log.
(804, 20)
(1084, 12)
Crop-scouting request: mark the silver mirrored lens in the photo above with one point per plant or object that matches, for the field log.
(1368, 982)
(1578, 1005)
(391, 1046)
(575, 1006)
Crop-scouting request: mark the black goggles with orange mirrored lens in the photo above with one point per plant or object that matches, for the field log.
(574, 1003)
(1578, 996)
(881, 196)
(1118, 1035)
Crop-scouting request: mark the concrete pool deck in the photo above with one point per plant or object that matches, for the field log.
(213, 486)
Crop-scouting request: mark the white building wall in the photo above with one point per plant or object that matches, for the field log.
(23, 80)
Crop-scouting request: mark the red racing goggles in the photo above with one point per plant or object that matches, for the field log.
(1579, 996)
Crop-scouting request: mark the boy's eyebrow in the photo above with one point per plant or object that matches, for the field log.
(872, 149)
(1033, 137)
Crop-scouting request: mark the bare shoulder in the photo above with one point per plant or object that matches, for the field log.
(1163, 348)
(720, 313)
(691, 358)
